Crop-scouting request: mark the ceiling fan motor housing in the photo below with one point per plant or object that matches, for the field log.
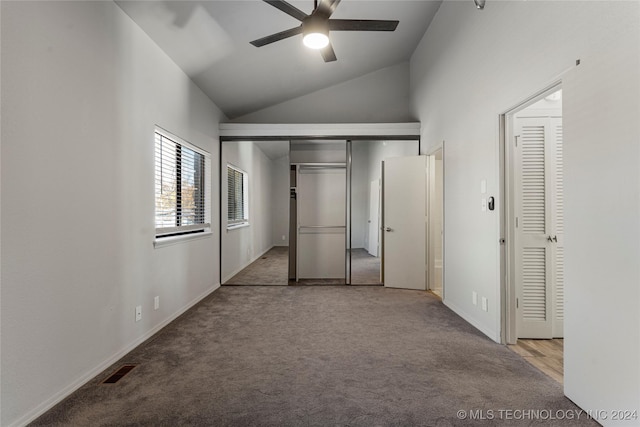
(315, 32)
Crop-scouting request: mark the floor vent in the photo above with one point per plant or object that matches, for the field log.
(119, 374)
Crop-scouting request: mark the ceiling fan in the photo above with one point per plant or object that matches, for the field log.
(315, 28)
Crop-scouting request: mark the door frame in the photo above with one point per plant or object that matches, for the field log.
(374, 225)
(430, 154)
(508, 330)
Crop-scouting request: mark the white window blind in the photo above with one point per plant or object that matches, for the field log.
(182, 176)
(237, 200)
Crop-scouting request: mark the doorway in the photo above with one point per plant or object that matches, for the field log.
(534, 226)
(435, 215)
(366, 208)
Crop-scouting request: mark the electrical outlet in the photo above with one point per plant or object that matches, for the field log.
(483, 205)
(474, 297)
(485, 304)
(284, 237)
(156, 303)
(138, 313)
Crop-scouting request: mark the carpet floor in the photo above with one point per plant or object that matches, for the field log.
(317, 356)
(365, 269)
(272, 269)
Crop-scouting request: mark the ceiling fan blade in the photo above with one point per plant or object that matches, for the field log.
(326, 8)
(288, 9)
(361, 25)
(277, 36)
(328, 54)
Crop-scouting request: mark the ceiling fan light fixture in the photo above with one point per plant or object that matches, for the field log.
(315, 40)
(315, 33)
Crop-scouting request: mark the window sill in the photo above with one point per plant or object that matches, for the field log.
(236, 226)
(161, 242)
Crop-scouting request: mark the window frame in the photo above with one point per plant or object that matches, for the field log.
(166, 234)
(237, 223)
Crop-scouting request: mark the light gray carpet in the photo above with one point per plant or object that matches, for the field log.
(272, 268)
(365, 269)
(315, 356)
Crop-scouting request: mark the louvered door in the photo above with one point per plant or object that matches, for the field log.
(538, 210)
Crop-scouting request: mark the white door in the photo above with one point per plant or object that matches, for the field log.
(558, 229)
(404, 236)
(539, 227)
(374, 218)
(321, 222)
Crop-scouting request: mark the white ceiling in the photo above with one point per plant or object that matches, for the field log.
(209, 40)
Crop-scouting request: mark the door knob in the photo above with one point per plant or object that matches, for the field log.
(388, 229)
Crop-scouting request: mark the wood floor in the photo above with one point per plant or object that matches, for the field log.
(546, 355)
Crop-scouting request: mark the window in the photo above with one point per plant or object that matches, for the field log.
(237, 200)
(183, 174)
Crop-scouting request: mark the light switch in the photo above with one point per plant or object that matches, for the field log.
(474, 298)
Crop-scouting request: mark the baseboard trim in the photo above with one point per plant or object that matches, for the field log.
(488, 332)
(88, 376)
(239, 269)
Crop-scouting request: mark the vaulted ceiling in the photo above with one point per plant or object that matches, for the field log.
(209, 40)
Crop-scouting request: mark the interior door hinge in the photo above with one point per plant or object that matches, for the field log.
(517, 303)
(516, 222)
(515, 138)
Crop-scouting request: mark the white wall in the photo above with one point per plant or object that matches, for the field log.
(472, 66)
(82, 88)
(378, 97)
(241, 246)
(280, 184)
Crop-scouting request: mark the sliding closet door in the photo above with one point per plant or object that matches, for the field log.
(321, 221)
